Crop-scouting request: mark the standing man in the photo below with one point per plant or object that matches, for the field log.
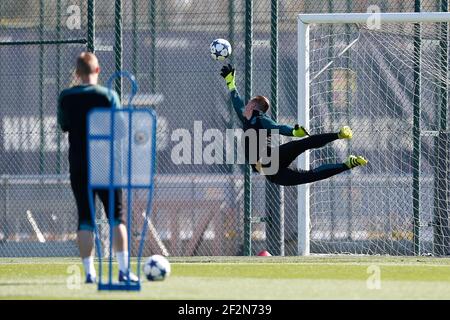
(74, 105)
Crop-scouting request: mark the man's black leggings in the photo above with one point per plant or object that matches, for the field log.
(291, 150)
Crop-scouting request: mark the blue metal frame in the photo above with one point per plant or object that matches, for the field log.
(110, 285)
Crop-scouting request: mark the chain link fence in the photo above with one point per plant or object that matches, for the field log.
(198, 209)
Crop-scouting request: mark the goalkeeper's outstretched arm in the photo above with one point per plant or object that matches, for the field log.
(228, 73)
(259, 103)
(238, 104)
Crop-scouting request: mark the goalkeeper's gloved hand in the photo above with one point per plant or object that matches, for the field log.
(228, 73)
(300, 131)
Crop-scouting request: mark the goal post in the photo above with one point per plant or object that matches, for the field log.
(388, 74)
(303, 118)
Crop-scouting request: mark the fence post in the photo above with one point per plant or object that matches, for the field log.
(416, 132)
(441, 174)
(41, 86)
(274, 193)
(152, 23)
(330, 105)
(58, 83)
(248, 94)
(348, 105)
(134, 56)
(118, 49)
(91, 26)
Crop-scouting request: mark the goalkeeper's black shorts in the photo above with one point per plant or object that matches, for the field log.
(288, 152)
(79, 184)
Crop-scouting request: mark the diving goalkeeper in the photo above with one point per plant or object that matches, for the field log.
(253, 116)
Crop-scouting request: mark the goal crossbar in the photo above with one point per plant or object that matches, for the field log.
(327, 18)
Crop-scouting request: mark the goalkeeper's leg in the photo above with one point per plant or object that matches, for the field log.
(291, 150)
(291, 177)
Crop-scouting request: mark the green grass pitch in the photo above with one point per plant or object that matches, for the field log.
(231, 278)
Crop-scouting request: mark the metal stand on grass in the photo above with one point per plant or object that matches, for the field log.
(121, 155)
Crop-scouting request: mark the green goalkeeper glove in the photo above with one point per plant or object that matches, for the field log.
(299, 131)
(227, 72)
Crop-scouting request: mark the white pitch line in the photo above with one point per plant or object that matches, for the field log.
(155, 234)
(35, 227)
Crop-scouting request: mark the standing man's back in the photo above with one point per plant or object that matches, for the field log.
(74, 105)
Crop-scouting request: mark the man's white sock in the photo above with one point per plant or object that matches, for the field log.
(122, 259)
(88, 264)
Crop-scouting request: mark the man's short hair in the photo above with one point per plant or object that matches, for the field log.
(263, 103)
(87, 63)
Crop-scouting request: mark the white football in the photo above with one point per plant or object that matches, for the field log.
(220, 49)
(156, 268)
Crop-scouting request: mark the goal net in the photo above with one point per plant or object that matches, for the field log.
(387, 78)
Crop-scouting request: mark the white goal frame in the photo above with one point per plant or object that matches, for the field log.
(303, 98)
